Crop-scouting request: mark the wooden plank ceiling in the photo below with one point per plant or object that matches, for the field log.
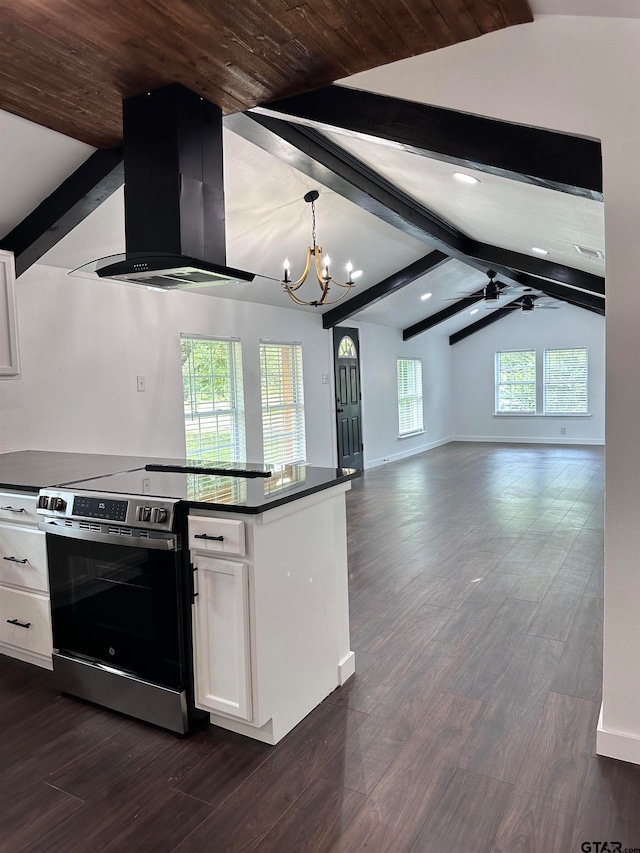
(67, 64)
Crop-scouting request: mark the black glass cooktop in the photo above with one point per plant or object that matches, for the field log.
(218, 491)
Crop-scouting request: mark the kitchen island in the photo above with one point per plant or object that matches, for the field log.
(270, 586)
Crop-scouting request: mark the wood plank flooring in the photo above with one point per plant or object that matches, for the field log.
(476, 602)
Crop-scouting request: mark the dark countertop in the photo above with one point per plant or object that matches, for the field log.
(31, 470)
(223, 493)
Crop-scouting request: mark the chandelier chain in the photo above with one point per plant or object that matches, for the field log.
(320, 267)
(313, 223)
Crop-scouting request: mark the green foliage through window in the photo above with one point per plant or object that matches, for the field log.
(283, 427)
(516, 381)
(566, 381)
(213, 399)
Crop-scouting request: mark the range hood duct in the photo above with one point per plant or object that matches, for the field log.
(173, 194)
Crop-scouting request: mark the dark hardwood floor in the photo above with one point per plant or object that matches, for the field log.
(476, 599)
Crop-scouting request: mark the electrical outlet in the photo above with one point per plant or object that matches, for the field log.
(146, 485)
(563, 430)
(142, 383)
(325, 378)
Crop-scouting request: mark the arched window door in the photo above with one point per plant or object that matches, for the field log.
(346, 350)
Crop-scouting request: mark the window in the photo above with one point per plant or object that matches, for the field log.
(347, 348)
(410, 419)
(516, 381)
(213, 399)
(565, 381)
(283, 433)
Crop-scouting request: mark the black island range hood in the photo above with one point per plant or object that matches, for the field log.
(173, 195)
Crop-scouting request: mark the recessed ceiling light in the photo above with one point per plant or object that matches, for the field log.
(475, 311)
(465, 179)
(539, 251)
(426, 296)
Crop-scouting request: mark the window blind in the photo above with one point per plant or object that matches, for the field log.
(410, 408)
(283, 429)
(213, 399)
(516, 381)
(566, 381)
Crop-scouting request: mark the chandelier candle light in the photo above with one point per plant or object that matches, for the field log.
(322, 267)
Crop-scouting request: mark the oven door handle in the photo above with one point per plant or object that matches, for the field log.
(155, 540)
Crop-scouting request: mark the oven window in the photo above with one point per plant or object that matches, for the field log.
(119, 605)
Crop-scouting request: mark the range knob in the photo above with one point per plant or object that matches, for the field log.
(58, 504)
(158, 515)
(143, 513)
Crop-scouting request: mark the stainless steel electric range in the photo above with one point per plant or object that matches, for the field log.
(120, 595)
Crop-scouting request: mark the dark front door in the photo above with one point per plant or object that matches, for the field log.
(346, 361)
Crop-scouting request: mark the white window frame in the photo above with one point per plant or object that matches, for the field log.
(554, 380)
(283, 417)
(206, 416)
(410, 397)
(514, 385)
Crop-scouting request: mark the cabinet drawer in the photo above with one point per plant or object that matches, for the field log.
(23, 558)
(217, 535)
(18, 509)
(19, 609)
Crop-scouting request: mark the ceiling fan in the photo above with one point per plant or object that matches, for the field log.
(490, 292)
(530, 301)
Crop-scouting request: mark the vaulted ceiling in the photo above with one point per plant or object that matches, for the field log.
(382, 166)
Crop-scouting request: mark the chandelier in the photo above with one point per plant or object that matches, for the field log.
(321, 266)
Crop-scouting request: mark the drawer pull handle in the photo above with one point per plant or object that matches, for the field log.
(15, 560)
(21, 624)
(12, 509)
(206, 536)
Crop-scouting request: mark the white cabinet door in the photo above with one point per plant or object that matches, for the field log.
(8, 330)
(222, 637)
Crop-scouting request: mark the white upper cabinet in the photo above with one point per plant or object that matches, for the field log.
(8, 326)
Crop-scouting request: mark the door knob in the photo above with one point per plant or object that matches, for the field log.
(339, 410)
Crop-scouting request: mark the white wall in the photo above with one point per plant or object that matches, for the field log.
(474, 378)
(380, 347)
(579, 75)
(83, 343)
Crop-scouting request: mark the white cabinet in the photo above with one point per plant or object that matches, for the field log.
(25, 615)
(271, 617)
(217, 535)
(8, 325)
(222, 647)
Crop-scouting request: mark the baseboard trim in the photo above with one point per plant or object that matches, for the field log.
(502, 439)
(624, 747)
(346, 667)
(404, 454)
(25, 655)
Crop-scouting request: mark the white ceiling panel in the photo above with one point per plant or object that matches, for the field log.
(507, 213)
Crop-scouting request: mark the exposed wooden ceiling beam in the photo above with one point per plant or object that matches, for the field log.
(318, 157)
(572, 296)
(471, 329)
(314, 155)
(440, 316)
(560, 273)
(383, 288)
(558, 161)
(76, 197)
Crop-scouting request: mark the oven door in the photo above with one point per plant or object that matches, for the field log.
(118, 604)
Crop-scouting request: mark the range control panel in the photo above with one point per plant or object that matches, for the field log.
(128, 510)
